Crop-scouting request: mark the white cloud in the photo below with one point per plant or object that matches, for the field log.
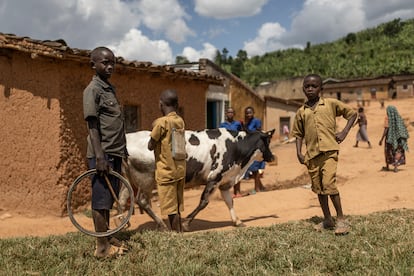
(135, 46)
(377, 12)
(222, 9)
(81, 23)
(268, 39)
(86, 24)
(326, 20)
(166, 16)
(148, 29)
(209, 52)
(178, 31)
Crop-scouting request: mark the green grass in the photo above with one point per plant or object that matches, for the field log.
(379, 244)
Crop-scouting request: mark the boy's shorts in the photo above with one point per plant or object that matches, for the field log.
(171, 197)
(101, 195)
(322, 170)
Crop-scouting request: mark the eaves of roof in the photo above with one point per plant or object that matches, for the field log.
(295, 103)
(232, 78)
(407, 77)
(357, 83)
(58, 49)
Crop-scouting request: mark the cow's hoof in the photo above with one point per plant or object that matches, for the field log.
(240, 224)
(119, 219)
(186, 225)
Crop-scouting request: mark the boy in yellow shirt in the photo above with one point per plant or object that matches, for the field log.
(315, 123)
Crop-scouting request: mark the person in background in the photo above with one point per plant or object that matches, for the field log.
(106, 145)
(315, 123)
(169, 171)
(286, 132)
(232, 125)
(396, 135)
(256, 169)
(362, 134)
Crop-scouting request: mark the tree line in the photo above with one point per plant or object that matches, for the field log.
(387, 49)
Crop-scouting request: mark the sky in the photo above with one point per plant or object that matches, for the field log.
(159, 30)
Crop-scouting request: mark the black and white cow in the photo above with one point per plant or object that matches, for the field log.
(216, 158)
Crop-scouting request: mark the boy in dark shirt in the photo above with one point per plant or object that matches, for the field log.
(106, 145)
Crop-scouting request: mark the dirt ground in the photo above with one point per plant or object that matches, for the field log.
(364, 188)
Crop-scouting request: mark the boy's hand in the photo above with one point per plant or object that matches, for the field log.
(301, 158)
(340, 136)
(102, 166)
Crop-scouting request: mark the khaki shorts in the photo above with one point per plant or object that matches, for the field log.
(171, 196)
(322, 170)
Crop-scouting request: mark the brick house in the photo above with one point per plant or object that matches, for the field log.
(234, 93)
(365, 90)
(280, 112)
(43, 132)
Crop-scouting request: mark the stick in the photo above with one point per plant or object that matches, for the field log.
(113, 194)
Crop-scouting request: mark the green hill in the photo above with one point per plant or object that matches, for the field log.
(384, 50)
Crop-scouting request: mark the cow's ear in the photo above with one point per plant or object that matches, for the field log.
(271, 132)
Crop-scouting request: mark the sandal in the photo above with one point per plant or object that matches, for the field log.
(385, 169)
(342, 227)
(111, 251)
(114, 241)
(324, 226)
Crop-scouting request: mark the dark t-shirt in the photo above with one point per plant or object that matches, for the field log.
(99, 100)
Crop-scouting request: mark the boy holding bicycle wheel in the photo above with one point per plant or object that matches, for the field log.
(106, 145)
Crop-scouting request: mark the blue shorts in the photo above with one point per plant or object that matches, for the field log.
(101, 195)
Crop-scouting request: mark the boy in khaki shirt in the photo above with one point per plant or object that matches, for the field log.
(170, 171)
(315, 122)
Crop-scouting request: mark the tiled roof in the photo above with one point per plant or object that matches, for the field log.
(204, 62)
(60, 50)
(351, 83)
(408, 77)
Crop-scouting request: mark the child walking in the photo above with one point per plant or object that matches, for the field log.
(169, 171)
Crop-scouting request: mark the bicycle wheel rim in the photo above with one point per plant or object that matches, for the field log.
(111, 231)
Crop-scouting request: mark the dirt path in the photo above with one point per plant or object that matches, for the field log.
(364, 189)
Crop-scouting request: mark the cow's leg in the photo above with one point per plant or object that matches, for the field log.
(123, 197)
(142, 199)
(144, 204)
(226, 194)
(208, 190)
